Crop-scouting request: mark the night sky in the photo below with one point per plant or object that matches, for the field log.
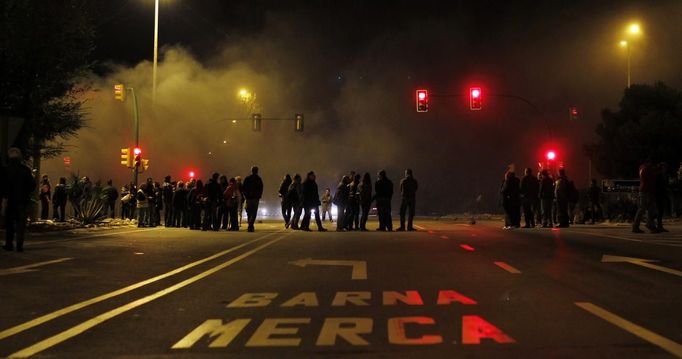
(352, 67)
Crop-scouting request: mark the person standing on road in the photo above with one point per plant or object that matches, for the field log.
(530, 189)
(408, 200)
(562, 192)
(110, 196)
(231, 198)
(511, 200)
(223, 216)
(295, 200)
(286, 207)
(365, 190)
(253, 191)
(593, 195)
(167, 191)
(18, 187)
(59, 199)
(383, 189)
(196, 199)
(546, 198)
(327, 205)
(341, 202)
(158, 203)
(142, 200)
(45, 194)
(647, 198)
(179, 205)
(353, 207)
(662, 204)
(212, 190)
(311, 203)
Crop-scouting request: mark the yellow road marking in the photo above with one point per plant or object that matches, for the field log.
(651, 337)
(646, 263)
(92, 322)
(30, 267)
(507, 267)
(420, 227)
(61, 312)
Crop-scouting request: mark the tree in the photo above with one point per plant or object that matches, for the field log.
(647, 124)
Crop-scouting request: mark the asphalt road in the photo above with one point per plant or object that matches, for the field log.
(448, 290)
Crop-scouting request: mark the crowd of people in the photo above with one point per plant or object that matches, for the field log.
(554, 201)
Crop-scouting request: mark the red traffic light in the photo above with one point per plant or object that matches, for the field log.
(551, 155)
(191, 174)
(422, 101)
(137, 151)
(475, 98)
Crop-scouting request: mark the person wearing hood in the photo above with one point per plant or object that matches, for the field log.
(17, 187)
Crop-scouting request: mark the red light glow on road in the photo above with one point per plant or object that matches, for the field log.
(467, 247)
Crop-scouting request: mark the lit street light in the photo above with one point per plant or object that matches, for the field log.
(633, 29)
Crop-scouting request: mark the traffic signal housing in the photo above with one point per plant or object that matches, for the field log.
(127, 157)
(573, 113)
(256, 120)
(422, 101)
(138, 157)
(119, 92)
(298, 122)
(475, 98)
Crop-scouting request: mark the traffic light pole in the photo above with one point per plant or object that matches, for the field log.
(136, 130)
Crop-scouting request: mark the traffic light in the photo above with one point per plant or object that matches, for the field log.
(573, 113)
(298, 122)
(551, 155)
(145, 164)
(475, 98)
(127, 157)
(191, 175)
(119, 92)
(422, 101)
(138, 157)
(256, 121)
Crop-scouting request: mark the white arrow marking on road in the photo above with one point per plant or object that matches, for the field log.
(30, 267)
(359, 267)
(647, 263)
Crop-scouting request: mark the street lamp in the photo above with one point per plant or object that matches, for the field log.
(634, 29)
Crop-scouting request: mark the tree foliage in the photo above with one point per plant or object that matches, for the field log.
(647, 124)
(46, 46)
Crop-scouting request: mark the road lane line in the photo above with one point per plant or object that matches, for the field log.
(652, 241)
(61, 312)
(444, 237)
(30, 267)
(419, 227)
(507, 267)
(31, 243)
(92, 322)
(651, 337)
(467, 247)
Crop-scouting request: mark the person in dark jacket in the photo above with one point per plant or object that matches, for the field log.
(511, 200)
(59, 199)
(44, 196)
(365, 192)
(253, 191)
(196, 199)
(231, 197)
(18, 187)
(167, 192)
(546, 198)
(562, 192)
(530, 195)
(311, 203)
(213, 194)
(383, 189)
(179, 205)
(593, 196)
(647, 198)
(353, 207)
(110, 194)
(223, 216)
(408, 200)
(295, 200)
(157, 203)
(286, 207)
(341, 202)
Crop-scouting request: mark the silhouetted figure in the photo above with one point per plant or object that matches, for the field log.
(546, 198)
(17, 188)
(383, 189)
(408, 200)
(562, 192)
(530, 191)
(59, 199)
(353, 207)
(311, 203)
(197, 202)
(180, 207)
(167, 190)
(295, 200)
(213, 193)
(511, 200)
(253, 191)
(142, 203)
(157, 203)
(286, 206)
(232, 198)
(647, 198)
(110, 194)
(341, 202)
(44, 196)
(326, 207)
(365, 191)
(223, 220)
(593, 196)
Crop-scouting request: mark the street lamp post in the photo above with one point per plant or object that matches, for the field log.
(628, 48)
(156, 47)
(633, 30)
